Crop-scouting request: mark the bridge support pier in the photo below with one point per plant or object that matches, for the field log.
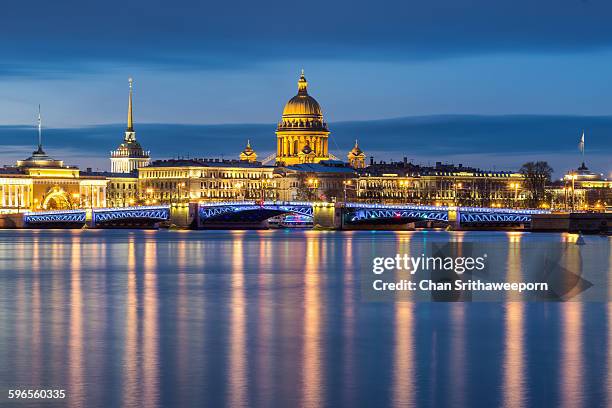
(327, 215)
(183, 214)
(454, 219)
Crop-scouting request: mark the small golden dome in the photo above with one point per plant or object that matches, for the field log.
(302, 105)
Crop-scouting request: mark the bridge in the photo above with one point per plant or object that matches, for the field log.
(123, 217)
(458, 217)
(356, 215)
(247, 213)
(251, 214)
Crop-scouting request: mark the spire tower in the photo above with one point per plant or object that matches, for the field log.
(130, 155)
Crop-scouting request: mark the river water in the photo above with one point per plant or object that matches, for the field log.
(122, 318)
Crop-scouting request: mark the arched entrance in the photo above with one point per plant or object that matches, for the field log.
(57, 200)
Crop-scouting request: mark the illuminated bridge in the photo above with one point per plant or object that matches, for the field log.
(144, 216)
(251, 214)
(357, 213)
(130, 216)
(59, 218)
(248, 213)
(360, 214)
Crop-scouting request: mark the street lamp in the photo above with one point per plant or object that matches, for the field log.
(346, 184)
(238, 186)
(149, 192)
(77, 198)
(457, 185)
(515, 186)
(313, 184)
(403, 187)
(573, 177)
(265, 184)
(180, 185)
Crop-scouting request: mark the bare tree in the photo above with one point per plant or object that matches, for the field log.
(536, 175)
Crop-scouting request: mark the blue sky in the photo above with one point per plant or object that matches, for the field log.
(202, 63)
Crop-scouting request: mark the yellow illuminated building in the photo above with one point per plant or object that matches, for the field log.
(581, 189)
(122, 190)
(444, 187)
(43, 183)
(201, 180)
(302, 134)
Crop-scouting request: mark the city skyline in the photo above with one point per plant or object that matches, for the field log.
(523, 79)
(460, 139)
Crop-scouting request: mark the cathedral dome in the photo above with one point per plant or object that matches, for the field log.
(302, 111)
(302, 105)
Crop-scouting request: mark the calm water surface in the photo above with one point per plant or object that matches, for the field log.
(275, 318)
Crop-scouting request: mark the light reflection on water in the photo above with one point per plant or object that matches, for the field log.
(261, 318)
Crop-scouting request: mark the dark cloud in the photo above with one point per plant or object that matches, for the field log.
(43, 36)
(482, 141)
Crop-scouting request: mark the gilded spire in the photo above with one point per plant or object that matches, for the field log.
(39, 130)
(302, 85)
(130, 123)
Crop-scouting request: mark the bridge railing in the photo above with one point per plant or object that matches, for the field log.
(133, 208)
(253, 202)
(446, 208)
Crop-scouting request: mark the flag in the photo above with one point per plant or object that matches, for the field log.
(581, 144)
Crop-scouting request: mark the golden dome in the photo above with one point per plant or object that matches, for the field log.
(302, 111)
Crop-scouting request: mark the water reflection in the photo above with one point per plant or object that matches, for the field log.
(404, 372)
(312, 381)
(237, 393)
(130, 354)
(514, 357)
(75, 342)
(150, 331)
(348, 322)
(265, 325)
(514, 374)
(275, 318)
(571, 370)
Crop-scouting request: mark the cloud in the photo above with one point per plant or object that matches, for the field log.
(55, 36)
(501, 142)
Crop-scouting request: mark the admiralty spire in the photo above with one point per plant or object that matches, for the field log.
(302, 134)
(129, 156)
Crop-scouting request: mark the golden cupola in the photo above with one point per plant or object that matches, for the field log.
(356, 157)
(248, 154)
(301, 125)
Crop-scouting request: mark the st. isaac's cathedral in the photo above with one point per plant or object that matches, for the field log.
(302, 134)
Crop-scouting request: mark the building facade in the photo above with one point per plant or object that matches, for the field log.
(440, 185)
(41, 182)
(122, 189)
(203, 180)
(328, 180)
(581, 190)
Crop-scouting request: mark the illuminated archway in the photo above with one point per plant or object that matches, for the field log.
(57, 200)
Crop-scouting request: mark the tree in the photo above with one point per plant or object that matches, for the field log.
(305, 191)
(536, 176)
